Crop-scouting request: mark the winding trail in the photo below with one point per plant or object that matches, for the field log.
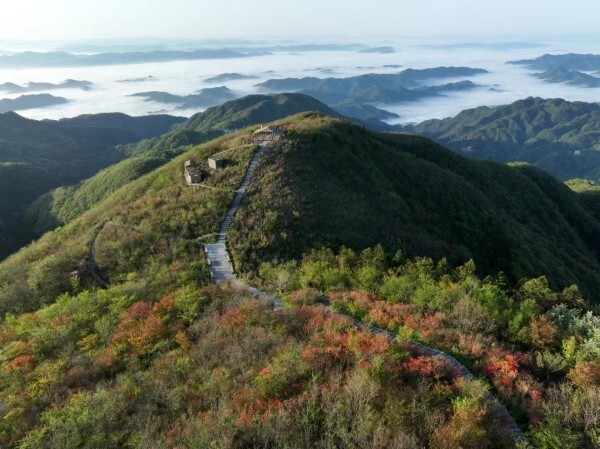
(222, 271)
(91, 262)
(221, 268)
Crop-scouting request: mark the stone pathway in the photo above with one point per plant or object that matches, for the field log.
(221, 268)
(91, 262)
(222, 271)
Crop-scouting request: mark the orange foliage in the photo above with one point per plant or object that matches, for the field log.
(369, 344)
(138, 311)
(542, 331)
(140, 328)
(182, 339)
(503, 367)
(304, 297)
(334, 340)
(464, 430)
(389, 316)
(585, 373)
(233, 319)
(164, 307)
(107, 357)
(261, 410)
(318, 319)
(25, 362)
(430, 366)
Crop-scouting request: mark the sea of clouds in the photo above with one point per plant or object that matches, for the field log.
(504, 84)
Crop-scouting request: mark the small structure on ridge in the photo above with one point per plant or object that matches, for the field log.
(267, 133)
(192, 174)
(216, 163)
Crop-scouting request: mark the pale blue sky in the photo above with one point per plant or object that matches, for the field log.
(96, 19)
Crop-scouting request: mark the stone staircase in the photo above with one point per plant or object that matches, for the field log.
(240, 192)
(222, 271)
(221, 268)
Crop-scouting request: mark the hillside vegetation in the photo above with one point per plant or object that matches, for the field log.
(558, 136)
(161, 358)
(63, 204)
(142, 226)
(36, 156)
(537, 348)
(333, 184)
(205, 365)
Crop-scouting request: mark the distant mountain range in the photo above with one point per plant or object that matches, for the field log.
(566, 68)
(569, 61)
(573, 77)
(379, 50)
(486, 46)
(408, 79)
(32, 59)
(226, 77)
(139, 80)
(203, 99)
(352, 94)
(33, 87)
(34, 101)
(63, 59)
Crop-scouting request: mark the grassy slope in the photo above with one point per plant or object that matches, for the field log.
(334, 184)
(588, 193)
(154, 221)
(37, 156)
(205, 366)
(64, 204)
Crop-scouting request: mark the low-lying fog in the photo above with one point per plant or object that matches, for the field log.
(504, 84)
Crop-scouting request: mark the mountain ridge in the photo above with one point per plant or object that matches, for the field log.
(558, 136)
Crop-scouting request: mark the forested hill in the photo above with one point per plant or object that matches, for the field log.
(161, 355)
(334, 184)
(558, 136)
(332, 180)
(73, 149)
(255, 109)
